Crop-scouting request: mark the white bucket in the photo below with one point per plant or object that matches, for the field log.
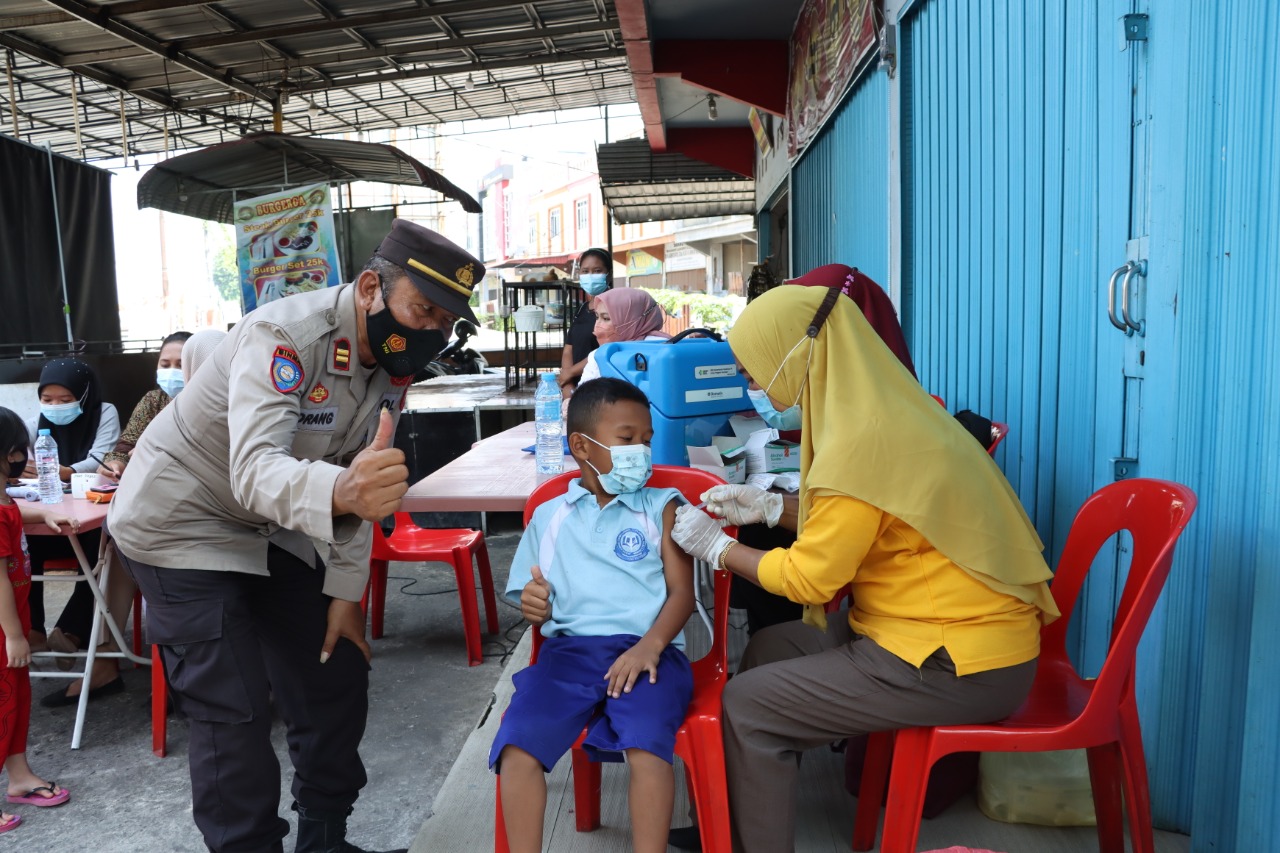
(529, 318)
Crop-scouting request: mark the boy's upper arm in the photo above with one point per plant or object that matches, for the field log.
(676, 564)
(525, 557)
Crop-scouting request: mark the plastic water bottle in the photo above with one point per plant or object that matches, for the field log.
(547, 424)
(47, 469)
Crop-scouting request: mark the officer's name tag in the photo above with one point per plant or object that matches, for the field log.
(318, 420)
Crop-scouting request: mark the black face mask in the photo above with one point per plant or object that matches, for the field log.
(399, 350)
(16, 468)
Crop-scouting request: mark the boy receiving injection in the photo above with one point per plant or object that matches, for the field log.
(598, 571)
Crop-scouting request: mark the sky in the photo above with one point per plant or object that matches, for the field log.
(152, 246)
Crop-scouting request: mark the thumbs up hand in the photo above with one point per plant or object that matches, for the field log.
(376, 480)
(535, 598)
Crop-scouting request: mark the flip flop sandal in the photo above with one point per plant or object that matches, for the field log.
(12, 823)
(34, 798)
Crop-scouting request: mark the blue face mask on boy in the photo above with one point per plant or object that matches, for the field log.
(789, 419)
(61, 414)
(632, 467)
(594, 283)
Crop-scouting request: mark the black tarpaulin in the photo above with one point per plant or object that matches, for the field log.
(30, 273)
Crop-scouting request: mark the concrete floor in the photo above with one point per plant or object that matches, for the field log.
(424, 702)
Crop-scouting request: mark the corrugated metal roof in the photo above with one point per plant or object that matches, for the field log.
(640, 185)
(205, 183)
(192, 73)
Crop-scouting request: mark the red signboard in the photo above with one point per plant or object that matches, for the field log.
(830, 40)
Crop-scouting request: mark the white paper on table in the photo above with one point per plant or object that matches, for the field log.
(789, 481)
(744, 426)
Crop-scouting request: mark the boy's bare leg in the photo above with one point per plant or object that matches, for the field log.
(651, 797)
(524, 799)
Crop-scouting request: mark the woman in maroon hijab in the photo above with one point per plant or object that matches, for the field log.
(870, 297)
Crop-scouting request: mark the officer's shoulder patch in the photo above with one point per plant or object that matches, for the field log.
(286, 370)
(401, 381)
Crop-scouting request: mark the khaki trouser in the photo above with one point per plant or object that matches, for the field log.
(799, 688)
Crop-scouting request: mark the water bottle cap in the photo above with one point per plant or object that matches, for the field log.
(548, 377)
(44, 432)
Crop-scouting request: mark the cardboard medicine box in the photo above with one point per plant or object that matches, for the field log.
(781, 456)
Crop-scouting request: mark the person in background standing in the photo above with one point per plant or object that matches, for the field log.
(595, 276)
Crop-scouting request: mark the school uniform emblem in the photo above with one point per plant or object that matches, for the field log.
(342, 354)
(286, 370)
(395, 343)
(318, 394)
(631, 545)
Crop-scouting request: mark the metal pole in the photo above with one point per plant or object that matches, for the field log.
(344, 218)
(13, 98)
(608, 214)
(57, 230)
(124, 130)
(75, 114)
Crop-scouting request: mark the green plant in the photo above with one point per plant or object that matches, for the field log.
(704, 309)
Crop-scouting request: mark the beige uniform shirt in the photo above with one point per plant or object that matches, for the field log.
(249, 451)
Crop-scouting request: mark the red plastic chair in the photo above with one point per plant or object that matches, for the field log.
(411, 543)
(1063, 710)
(159, 705)
(998, 433)
(698, 742)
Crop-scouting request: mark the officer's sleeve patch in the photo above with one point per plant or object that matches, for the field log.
(286, 370)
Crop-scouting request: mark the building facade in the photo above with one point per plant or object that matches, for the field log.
(1076, 209)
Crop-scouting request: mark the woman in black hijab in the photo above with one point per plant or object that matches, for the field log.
(595, 275)
(71, 408)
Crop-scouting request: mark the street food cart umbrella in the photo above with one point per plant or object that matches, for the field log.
(206, 183)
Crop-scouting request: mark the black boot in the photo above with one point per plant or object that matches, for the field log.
(685, 838)
(325, 831)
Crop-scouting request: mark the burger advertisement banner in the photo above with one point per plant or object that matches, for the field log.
(285, 244)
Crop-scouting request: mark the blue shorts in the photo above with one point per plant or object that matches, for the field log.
(565, 691)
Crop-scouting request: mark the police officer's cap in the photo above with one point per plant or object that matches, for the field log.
(444, 272)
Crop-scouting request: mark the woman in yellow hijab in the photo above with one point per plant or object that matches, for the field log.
(896, 498)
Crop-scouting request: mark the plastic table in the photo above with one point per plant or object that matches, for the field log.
(92, 516)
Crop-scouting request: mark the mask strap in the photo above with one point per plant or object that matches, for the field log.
(811, 335)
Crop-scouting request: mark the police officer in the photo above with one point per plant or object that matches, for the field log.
(278, 454)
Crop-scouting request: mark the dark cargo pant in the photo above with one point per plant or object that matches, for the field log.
(231, 644)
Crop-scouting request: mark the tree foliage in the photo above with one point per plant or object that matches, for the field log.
(704, 309)
(223, 269)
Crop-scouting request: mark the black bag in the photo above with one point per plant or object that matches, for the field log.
(978, 426)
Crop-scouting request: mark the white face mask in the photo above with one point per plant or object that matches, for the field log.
(170, 380)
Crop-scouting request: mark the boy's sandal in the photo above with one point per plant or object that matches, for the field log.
(11, 823)
(35, 798)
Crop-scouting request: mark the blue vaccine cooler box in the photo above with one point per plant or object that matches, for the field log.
(692, 385)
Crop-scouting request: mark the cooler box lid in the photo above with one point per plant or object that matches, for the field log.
(690, 378)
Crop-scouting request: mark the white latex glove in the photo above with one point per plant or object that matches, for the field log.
(744, 504)
(699, 534)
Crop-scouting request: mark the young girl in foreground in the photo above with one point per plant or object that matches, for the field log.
(15, 620)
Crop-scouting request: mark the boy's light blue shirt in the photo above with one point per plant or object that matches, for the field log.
(606, 573)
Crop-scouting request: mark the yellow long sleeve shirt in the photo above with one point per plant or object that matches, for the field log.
(907, 596)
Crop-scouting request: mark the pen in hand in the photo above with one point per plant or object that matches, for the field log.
(112, 473)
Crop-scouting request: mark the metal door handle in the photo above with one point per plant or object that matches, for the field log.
(1123, 269)
(1138, 326)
